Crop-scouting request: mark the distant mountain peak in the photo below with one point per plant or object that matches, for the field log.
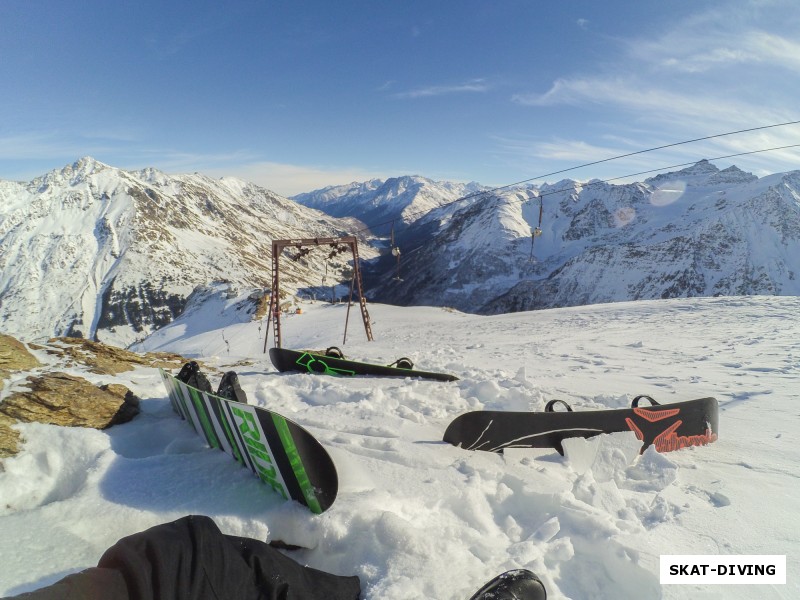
(703, 173)
(95, 251)
(405, 198)
(84, 167)
(700, 231)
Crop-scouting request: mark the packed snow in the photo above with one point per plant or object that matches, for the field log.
(419, 518)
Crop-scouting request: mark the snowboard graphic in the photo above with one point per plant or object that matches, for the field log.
(282, 454)
(319, 362)
(666, 426)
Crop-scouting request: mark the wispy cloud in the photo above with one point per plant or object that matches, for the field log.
(289, 180)
(693, 52)
(756, 32)
(468, 87)
(557, 148)
(641, 102)
(694, 74)
(631, 94)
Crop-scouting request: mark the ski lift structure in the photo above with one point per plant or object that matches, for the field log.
(396, 254)
(536, 231)
(304, 246)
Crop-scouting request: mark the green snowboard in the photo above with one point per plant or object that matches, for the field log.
(320, 362)
(280, 452)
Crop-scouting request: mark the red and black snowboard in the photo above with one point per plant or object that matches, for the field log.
(666, 426)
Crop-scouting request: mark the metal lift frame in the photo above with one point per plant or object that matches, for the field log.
(278, 247)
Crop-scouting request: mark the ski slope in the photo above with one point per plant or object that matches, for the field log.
(417, 518)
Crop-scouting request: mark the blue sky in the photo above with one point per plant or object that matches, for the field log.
(297, 95)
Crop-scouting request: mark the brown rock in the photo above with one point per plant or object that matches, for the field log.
(14, 356)
(62, 399)
(9, 438)
(109, 360)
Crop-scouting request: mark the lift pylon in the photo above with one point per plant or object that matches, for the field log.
(278, 247)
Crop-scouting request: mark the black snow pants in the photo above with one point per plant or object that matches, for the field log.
(190, 559)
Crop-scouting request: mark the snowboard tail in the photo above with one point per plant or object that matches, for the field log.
(280, 452)
(668, 427)
(331, 364)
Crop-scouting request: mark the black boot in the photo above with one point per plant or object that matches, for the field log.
(519, 584)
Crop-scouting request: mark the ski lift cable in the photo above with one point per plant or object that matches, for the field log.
(687, 164)
(610, 179)
(598, 182)
(604, 160)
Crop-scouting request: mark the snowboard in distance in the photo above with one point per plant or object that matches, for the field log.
(666, 426)
(280, 452)
(313, 362)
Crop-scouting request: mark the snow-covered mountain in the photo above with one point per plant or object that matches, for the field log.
(113, 255)
(104, 253)
(700, 231)
(405, 199)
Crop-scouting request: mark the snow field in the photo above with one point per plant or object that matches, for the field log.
(418, 518)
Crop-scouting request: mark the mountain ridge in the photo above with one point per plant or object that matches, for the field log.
(113, 255)
(697, 231)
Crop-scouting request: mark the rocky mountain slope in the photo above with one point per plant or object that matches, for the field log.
(90, 250)
(403, 199)
(94, 251)
(700, 231)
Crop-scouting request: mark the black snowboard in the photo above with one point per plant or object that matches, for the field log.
(313, 362)
(666, 426)
(280, 452)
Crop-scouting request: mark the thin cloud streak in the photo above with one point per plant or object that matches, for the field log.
(651, 103)
(681, 84)
(693, 54)
(723, 37)
(472, 86)
(289, 180)
(628, 94)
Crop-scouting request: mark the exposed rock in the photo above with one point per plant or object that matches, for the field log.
(108, 360)
(70, 401)
(9, 438)
(14, 356)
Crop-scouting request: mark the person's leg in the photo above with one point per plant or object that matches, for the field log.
(107, 584)
(279, 574)
(191, 559)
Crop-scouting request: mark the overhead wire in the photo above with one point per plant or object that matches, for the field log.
(605, 160)
(603, 181)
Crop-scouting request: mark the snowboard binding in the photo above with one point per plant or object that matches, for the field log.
(334, 352)
(190, 374)
(402, 363)
(230, 388)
